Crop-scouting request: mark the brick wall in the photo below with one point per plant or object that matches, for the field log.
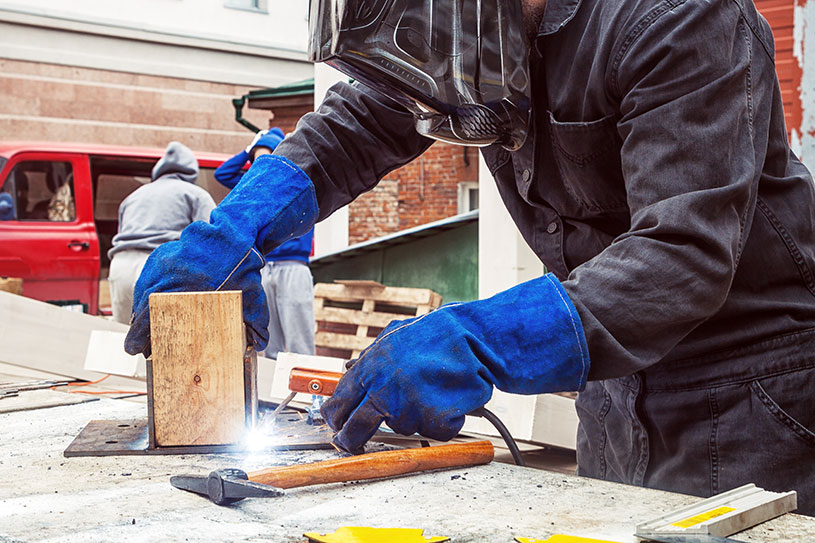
(62, 103)
(287, 117)
(423, 191)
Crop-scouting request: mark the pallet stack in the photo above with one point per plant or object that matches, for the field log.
(350, 314)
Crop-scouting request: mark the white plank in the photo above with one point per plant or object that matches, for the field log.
(106, 354)
(48, 338)
(40, 399)
(545, 418)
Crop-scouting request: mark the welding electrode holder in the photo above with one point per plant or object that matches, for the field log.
(323, 383)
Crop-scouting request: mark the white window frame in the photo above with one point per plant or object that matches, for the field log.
(261, 7)
(465, 189)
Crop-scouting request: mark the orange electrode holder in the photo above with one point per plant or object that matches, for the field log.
(310, 381)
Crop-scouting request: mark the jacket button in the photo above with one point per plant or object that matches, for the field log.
(552, 228)
(526, 175)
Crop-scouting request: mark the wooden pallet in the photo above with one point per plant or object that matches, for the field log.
(350, 314)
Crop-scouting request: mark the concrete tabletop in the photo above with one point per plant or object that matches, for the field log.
(47, 497)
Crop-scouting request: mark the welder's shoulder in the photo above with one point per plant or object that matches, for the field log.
(626, 22)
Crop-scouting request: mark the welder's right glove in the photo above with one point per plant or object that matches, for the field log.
(423, 375)
(273, 202)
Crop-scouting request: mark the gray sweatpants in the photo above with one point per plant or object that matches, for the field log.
(125, 268)
(289, 289)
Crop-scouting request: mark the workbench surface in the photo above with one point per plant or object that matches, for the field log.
(47, 497)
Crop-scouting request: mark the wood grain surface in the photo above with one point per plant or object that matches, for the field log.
(198, 380)
(376, 465)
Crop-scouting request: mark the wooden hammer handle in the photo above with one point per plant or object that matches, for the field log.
(376, 465)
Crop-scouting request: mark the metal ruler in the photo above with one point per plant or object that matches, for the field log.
(722, 515)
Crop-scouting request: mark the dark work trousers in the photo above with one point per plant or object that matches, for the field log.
(706, 426)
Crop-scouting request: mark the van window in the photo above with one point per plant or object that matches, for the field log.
(113, 179)
(39, 191)
(206, 179)
(111, 189)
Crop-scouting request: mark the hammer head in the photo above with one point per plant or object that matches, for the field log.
(224, 486)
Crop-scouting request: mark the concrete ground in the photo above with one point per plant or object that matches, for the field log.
(47, 497)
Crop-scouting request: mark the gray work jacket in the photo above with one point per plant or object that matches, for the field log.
(656, 183)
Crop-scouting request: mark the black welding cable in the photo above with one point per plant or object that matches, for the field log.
(508, 439)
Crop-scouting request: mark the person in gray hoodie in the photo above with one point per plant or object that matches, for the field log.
(151, 215)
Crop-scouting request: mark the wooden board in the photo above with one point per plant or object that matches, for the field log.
(197, 388)
(51, 339)
(350, 314)
(38, 399)
(13, 285)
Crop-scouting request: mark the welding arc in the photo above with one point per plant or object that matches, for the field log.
(508, 439)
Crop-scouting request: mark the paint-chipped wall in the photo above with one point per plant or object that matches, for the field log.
(793, 24)
(804, 140)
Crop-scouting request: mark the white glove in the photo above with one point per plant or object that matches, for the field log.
(255, 140)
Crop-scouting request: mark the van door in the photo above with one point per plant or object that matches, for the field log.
(47, 235)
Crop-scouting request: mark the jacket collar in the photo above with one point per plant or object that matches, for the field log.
(556, 15)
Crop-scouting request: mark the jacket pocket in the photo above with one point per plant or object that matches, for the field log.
(789, 242)
(784, 385)
(588, 159)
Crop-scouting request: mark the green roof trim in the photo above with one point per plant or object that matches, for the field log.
(298, 88)
(256, 98)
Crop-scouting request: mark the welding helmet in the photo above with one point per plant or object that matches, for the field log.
(460, 66)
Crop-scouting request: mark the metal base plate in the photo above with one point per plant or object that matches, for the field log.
(129, 437)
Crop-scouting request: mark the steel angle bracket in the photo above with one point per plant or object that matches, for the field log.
(130, 437)
(724, 514)
(373, 535)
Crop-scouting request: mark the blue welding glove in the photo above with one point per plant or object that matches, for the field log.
(273, 202)
(423, 375)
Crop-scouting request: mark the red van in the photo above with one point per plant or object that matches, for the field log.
(59, 207)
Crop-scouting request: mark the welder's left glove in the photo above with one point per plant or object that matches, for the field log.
(423, 375)
(272, 203)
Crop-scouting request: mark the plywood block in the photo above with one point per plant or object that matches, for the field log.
(11, 284)
(197, 371)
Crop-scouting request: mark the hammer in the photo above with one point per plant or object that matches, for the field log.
(227, 486)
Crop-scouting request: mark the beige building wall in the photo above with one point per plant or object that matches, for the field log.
(91, 79)
(49, 102)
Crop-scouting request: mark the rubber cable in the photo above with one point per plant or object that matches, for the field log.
(508, 439)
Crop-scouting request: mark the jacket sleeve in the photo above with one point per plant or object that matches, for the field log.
(355, 138)
(693, 121)
(230, 172)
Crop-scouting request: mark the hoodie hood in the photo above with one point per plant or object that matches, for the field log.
(178, 162)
